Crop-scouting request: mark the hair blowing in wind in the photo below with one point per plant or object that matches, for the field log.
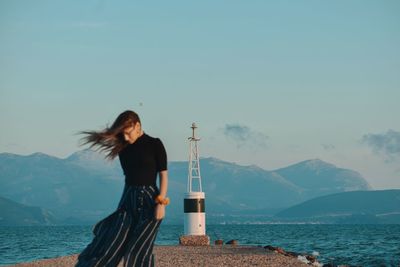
(111, 140)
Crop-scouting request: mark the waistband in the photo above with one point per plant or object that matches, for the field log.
(150, 188)
(140, 186)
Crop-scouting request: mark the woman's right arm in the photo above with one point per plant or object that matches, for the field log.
(159, 211)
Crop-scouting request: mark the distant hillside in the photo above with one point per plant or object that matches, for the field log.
(382, 206)
(15, 214)
(318, 178)
(85, 187)
(56, 184)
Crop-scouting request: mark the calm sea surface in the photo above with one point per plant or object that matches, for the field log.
(362, 245)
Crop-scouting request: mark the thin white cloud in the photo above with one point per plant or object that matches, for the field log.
(387, 144)
(244, 136)
(328, 147)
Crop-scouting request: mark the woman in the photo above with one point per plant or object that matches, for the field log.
(130, 231)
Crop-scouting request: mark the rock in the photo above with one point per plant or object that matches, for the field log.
(280, 250)
(194, 240)
(219, 242)
(311, 259)
(292, 254)
(233, 242)
(269, 247)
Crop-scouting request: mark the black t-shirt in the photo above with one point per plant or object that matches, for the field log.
(142, 160)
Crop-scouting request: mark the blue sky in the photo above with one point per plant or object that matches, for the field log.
(269, 83)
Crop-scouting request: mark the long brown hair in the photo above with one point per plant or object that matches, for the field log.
(111, 139)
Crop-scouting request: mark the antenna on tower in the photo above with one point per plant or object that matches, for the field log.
(194, 162)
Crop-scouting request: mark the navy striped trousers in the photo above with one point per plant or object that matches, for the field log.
(128, 233)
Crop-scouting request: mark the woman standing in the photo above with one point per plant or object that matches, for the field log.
(130, 231)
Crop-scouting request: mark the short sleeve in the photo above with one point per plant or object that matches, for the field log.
(122, 161)
(161, 156)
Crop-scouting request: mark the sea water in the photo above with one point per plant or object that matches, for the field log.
(361, 245)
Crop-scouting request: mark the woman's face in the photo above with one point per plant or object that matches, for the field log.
(132, 133)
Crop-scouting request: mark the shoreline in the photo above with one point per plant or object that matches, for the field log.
(178, 255)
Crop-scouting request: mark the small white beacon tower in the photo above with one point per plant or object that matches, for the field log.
(193, 203)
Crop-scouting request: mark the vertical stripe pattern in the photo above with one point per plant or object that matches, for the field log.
(127, 234)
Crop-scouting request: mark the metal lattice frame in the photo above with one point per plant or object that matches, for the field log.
(194, 161)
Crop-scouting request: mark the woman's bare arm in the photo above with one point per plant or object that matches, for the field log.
(160, 209)
(163, 183)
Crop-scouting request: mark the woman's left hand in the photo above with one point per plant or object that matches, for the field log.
(159, 211)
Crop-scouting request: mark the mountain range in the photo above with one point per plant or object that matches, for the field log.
(16, 214)
(380, 206)
(85, 187)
